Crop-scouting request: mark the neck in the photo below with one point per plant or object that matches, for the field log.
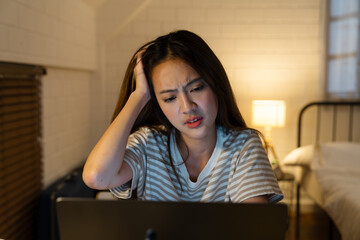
(196, 153)
(197, 149)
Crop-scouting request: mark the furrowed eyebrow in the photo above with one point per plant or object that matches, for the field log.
(187, 84)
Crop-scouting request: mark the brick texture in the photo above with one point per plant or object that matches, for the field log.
(53, 32)
(270, 49)
(60, 35)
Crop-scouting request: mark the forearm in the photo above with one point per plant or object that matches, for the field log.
(258, 199)
(105, 160)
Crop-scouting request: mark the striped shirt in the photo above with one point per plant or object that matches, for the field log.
(238, 169)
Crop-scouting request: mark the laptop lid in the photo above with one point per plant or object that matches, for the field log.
(82, 218)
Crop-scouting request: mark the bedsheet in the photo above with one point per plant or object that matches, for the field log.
(336, 167)
(341, 195)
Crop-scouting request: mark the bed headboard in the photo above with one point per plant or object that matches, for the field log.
(329, 121)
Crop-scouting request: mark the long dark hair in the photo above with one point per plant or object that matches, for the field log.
(194, 51)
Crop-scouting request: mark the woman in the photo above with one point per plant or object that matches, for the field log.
(177, 134)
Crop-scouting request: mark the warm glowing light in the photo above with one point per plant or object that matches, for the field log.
(268, 113)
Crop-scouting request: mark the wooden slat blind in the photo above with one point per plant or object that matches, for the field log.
(20, 149)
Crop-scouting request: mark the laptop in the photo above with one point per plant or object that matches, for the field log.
(83, 218)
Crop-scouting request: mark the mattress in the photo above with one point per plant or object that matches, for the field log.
(331, 177)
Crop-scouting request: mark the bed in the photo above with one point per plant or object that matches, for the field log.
(327, 159)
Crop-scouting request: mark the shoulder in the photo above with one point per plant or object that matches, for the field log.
(146, 130)
(145, 134)
(239, 137)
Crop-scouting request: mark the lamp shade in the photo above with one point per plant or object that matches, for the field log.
(268, 113)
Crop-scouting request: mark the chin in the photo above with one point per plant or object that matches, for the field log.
(197, 133)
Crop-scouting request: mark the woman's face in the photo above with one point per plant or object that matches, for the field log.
(185, 98)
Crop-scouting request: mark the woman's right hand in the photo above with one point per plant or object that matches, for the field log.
(105, 167)
(142, 86)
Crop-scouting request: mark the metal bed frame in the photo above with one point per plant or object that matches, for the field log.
(335, 106)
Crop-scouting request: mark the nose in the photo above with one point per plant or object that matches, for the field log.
(187, 105)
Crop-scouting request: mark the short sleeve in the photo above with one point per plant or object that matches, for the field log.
(253, 175)
(135, 156)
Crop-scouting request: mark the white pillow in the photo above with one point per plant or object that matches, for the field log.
(342, 154)
(301, 156)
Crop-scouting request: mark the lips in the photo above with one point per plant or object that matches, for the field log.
(193, 122)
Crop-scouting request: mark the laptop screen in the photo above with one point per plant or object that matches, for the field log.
(81, 218)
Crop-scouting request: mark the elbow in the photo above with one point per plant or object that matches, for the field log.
(94, 180)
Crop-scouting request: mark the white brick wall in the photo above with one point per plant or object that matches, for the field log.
(60, 35)
(66, 121)
(270, 49)
(48, 32)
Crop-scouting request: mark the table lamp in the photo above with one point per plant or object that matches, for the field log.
(269, 114)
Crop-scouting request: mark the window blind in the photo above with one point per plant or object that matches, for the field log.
(20, 149)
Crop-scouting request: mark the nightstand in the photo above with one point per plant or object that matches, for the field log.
(287, 182)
